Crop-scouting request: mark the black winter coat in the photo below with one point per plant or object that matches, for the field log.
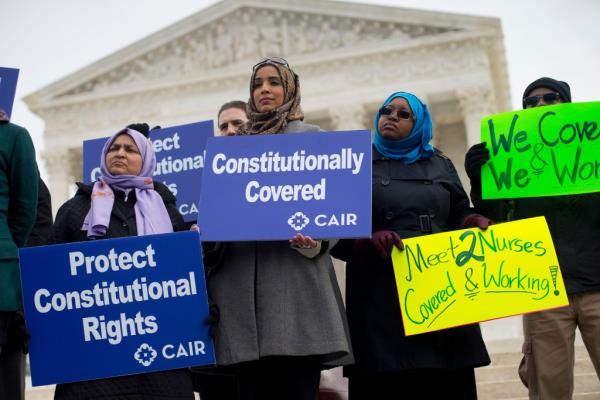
(574, 223)
(413, 200)
(166, 385)
(40, 234)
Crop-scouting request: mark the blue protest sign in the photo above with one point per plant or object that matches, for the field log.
(179, 162)
(273, 186)
(114, 307)
(8, 88)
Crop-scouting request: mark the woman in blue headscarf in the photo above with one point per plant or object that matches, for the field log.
(416, 191)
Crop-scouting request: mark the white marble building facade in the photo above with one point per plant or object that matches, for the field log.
(349, 56)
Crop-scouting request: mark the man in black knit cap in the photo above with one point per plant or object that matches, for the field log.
(546, 91)
(574, 222)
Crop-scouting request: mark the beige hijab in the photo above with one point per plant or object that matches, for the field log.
(275, 121)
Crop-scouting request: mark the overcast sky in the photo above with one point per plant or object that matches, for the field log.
(48, 40)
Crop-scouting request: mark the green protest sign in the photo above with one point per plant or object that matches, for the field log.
(542, 151)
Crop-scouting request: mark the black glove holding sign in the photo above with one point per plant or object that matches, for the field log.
(476, 157)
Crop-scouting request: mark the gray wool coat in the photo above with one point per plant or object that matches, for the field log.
(274, 301)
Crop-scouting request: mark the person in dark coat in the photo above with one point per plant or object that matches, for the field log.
(42, 229)
(416, 191)
(18, 199)
(281, 311)
(574, 223)
(123, 202)
(212, 383)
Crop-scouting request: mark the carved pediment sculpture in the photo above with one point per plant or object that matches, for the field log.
(247, 34)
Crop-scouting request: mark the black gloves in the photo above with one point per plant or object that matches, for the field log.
(474, 160)
(142, 128)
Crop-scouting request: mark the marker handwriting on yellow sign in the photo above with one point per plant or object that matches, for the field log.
(544, 151)
(473, 275)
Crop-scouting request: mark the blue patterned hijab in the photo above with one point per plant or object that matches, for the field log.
(416, 145)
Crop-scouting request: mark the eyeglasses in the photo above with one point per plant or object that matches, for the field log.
(270, 60)
(401, 114)
(549, 98)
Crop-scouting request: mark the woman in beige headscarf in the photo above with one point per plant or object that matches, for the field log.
(281, 312)
(274, 105)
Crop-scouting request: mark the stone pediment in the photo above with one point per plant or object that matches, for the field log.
(239, 32)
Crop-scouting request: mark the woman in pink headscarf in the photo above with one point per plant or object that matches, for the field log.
(125, 201)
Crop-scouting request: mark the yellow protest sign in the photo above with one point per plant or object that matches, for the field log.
(462, 277)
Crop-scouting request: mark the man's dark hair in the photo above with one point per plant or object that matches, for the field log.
(232, 104)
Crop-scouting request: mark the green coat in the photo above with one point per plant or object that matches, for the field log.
(18, 202)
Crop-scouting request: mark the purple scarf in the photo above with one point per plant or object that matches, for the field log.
(151, 215)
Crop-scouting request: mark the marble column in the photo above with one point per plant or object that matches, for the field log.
(475, 102)
(347, 117)
(59, 176)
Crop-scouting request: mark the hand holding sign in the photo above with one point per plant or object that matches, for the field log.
(299, 240)
(476, 221)
(475, 158)
(384, 241)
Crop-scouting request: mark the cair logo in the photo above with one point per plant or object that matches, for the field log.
(298, 221)
(145, 355)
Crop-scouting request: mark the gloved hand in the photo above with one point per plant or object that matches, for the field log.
(212, 319)
(382, 242)
(142, 128)
(476, 156)
(477, 221)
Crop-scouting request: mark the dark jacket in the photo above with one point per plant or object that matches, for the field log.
(18, 201)
(574, 223)
(164, 385)
(274, 301)
(70, 216)
(42, 229)
(413, 200)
